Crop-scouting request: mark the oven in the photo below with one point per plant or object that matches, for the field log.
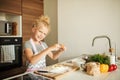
(10, 53)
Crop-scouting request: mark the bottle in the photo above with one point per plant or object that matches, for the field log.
(112, 59)
(14, 28)
(112, 56)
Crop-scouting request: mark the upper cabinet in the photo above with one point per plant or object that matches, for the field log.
(27, 11)
(31, 9)
(11, 6)
(11, 18)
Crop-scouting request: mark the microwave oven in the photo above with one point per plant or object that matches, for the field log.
(5, 28)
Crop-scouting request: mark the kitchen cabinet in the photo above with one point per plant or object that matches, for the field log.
(28, 10)
(10, 6)
(31, 9)
(10, 10)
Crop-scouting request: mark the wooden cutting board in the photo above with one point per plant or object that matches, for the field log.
(67, 68)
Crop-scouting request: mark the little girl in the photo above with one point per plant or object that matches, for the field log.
(36, 49)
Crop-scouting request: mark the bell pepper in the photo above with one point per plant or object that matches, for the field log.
(104, 68)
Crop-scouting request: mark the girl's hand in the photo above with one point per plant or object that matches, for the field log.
(57, 47)
(62, 48)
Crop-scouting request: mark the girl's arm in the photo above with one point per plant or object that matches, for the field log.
(35, 58)
(55, 54)
(48, 51)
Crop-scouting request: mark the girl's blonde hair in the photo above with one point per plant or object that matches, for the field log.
(42, 20)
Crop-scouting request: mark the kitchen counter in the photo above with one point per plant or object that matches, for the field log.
(81, 75)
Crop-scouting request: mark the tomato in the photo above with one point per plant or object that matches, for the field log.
(111, 68)
(114, 66)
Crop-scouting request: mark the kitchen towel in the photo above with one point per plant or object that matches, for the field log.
(8, 52)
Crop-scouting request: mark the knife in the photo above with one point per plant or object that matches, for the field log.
(42, 71)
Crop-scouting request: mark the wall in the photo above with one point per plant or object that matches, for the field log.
(79, 21)
(50, 9)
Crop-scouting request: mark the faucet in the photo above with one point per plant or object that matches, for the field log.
(110, 49)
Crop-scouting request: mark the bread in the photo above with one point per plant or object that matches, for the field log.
(93, 68)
